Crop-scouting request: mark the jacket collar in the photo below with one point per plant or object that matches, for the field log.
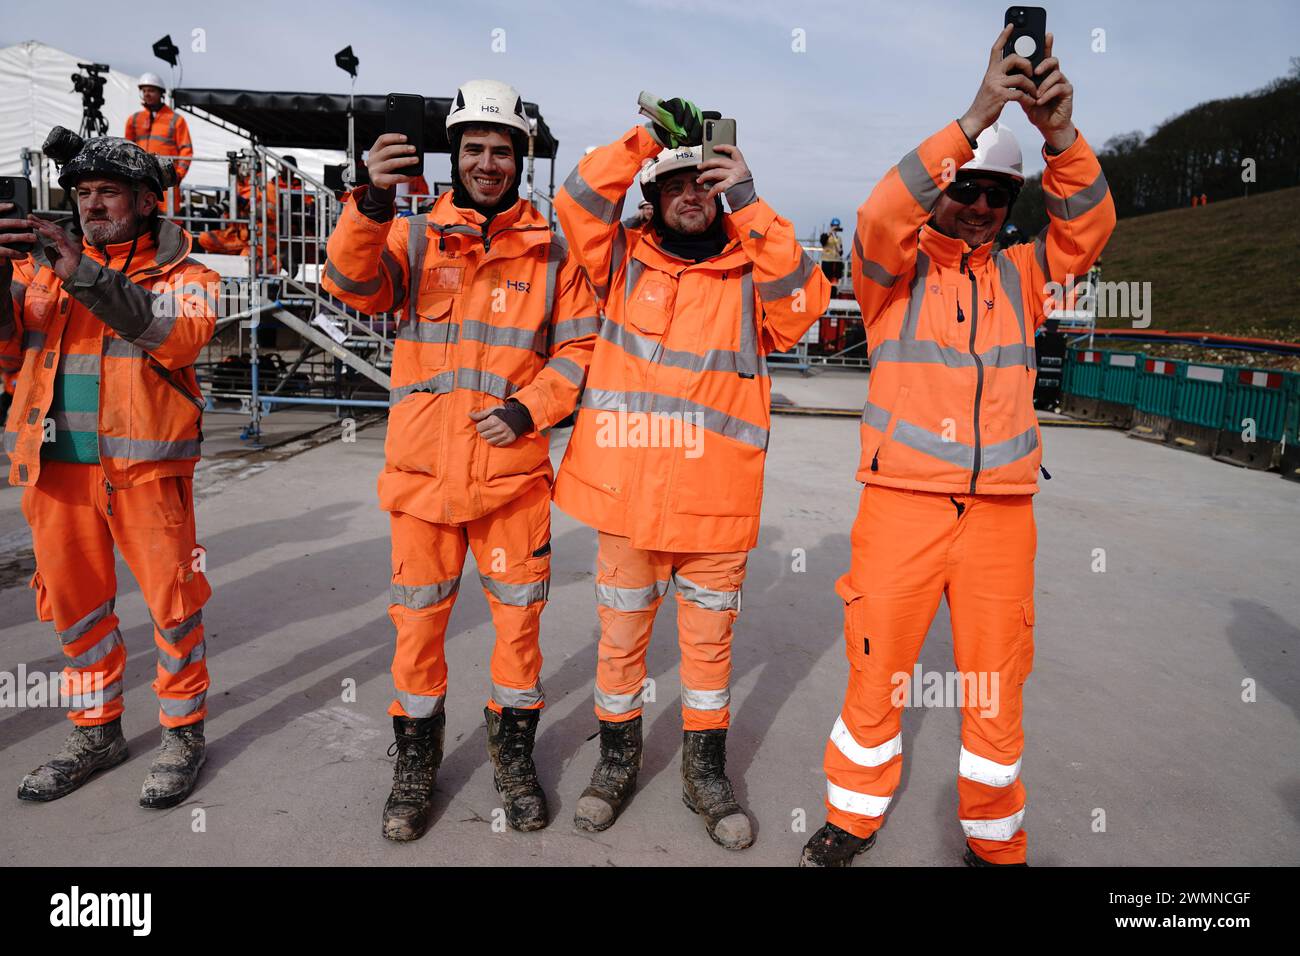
(521, 222)
(172, 247)
(649, 251)
(948, 251)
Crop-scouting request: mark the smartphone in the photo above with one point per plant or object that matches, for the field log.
(1028, 35)
(404, 113)
(17, 190)
(718, 132)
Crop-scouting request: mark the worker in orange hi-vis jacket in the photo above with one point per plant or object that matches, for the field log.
(498, 323)
(158, 129)
(666, 459)
(950, 449)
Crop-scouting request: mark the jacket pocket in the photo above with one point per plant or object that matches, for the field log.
(648, 311)
(856, 638)
(524, 456)
(44, 607)
(415, 438)
(896, 408)
(706, 486)
(1026, 621)
(434, 330)
(189, 593)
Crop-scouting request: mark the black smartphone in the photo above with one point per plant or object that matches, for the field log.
(1028, 35)
(718, 132)
(404, 113)
(17, 190)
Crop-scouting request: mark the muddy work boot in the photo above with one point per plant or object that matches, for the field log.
(86, 750)
(614, 778)
(707, 791)
(974, 859)
(418, 748)
(832, 846)
(174, 771)
(510, 745)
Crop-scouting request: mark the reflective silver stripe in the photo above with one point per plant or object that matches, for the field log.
(592, 202)
(918, 439)
(751, 362)
(1084, 201)
(650, 402)
(440, 384)
(429, 333)
(174, 665)
(489, 383)
(926, 351)
(33, 339)
(570, 369)
(394, 270)
(918, 180)
(634, 269)
(556, 252)
(79, 365)
(1009, 275)
(1000, 830)
(516, 338)
(184, 707)
(706, 598)
(915, 295)
(93, 700)
(1040, 251)
(19, 292)
(143, 449)
(1013, 449)
(982, 770)
(741, 194)
(76, 421)
(875, 756)
(789, 283)
(651, 350)
(514, 697)
(417, 597)
(159, 327)
(706, 699)
(366, 287)
(82, 627)
(877, 273)
(575, 328)
(630, 599)
(420, 705)
(11, 438)
(173, 635)
(618, 251)
(617, 703)
(875, 416)
(97, 651)
(850, 801)
(115, 347)
(516, 595)
(417, 238)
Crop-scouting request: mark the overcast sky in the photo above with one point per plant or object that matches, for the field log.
(818, 128)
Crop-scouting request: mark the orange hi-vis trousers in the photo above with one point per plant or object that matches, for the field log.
(75, 522)
(512, 546)
(630, 586)
(910, 548)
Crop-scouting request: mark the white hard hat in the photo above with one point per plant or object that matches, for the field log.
(488, 101)
(671, 160)
(152, 79)
(997, 151)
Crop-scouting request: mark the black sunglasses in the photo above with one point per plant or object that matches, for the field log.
(967, 191)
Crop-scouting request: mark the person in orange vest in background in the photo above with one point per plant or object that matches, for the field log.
(103, 438)
(666, 458)
(233, 240)
(950, 450)
(496, 332)
(160, 130)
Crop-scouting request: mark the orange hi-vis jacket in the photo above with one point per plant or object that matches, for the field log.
(164, 133)
(670, 440)
(951, 329)
(483, 318)
(152, 322)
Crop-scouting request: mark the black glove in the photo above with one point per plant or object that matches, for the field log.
(689, 127)
(515, 414)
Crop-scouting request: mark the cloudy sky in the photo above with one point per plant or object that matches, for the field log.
(818, 127)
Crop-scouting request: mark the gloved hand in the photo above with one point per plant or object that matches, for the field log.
(688, 127)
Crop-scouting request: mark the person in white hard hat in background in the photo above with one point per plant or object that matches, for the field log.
(159, 129)
(641, 218)
(497, 328)
(951, 452)
(833, 252)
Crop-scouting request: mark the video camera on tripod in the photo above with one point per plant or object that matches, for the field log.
(90, 84)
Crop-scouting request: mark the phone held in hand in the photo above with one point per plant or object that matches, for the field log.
(404, 113)
(718, 132)
(1028, 35)
(17, 190)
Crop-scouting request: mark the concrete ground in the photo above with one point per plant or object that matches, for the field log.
(1134, 714)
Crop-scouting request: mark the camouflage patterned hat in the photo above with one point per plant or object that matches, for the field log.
(116, 157)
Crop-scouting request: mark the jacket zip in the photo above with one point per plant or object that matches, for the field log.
(166, 377)
(979, 366)
(108, 495)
